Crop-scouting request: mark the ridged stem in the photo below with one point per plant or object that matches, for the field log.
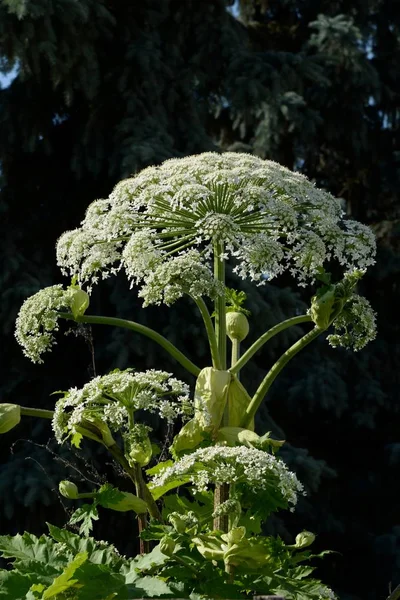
(212, 339)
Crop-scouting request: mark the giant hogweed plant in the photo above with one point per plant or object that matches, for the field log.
(173, 229)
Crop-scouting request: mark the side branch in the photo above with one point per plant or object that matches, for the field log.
(274, 372)
(138, 328)
(36, 412)
(265, 337)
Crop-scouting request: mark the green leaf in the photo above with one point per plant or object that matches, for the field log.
(14, 585)
(153, 586)
(158, 491)
(29, 547)
(100, 582)
(112, 498)
(155, 558)
(159, 467)
(10, 416)
(76, 439)
(87, 514)
(65, 581)
(98, 552)
(189, 437)
(238, 436)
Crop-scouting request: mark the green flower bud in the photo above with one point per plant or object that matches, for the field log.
(128, 502)
(79, 301)
(138, 447)
(234, 536)
(304, 539)
(177, 522)
(322, 308)
(10, 416)
(167, 545)
(68, 490)
(237, 326)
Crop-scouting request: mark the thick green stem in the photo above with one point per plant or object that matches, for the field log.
(138, 328)
(221, 493)
(220, 310)
(36, 412)
(210, 332)
(274, 372)
(235, 356)
(265, 337)
(135, 475)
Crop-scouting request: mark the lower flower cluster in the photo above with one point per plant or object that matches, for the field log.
(222, 464)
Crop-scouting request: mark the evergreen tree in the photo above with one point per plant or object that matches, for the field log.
(106, 88)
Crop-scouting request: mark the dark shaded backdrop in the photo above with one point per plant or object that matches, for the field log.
(106, 87)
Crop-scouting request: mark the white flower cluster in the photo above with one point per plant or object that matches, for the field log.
(114, 398)
(180, 274)
(223, 464)
(357, 321)
(327, 594)
(38, 320)
(265, 217)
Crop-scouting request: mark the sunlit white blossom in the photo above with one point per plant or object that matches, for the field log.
(257, 213)
(240, 465)
(355, 326)
(38, 320)
(115, 397)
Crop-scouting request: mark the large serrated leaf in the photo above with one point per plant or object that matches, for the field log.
(42, 572)
(65, 580)
(29, 547)
(14, 585)
(97, 552)
(146, 562)
(99, 582)
(153, 587)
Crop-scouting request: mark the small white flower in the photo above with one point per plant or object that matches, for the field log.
(38, 320)
(222, 464)
(114, 396)
(357, 322)
(169, 221)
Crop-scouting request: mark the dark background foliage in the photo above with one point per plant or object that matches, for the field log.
(105, 88)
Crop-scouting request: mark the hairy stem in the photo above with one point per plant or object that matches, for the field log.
(264, 338)
(274, 372)
(138, 328)
(210, 332)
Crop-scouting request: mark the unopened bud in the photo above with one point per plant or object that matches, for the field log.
(237, 326)
(167, 545)
(10, 416)
(68, 490)
(177, 522)
(79, 301)
(304, 539)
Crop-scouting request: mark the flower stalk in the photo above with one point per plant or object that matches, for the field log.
(258, 344)
(274, 372)
(142, 329)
